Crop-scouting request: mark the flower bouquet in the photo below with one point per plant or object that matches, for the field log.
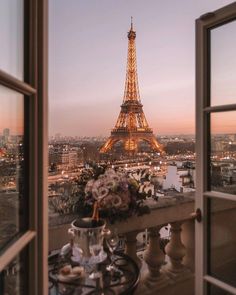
(117, 194)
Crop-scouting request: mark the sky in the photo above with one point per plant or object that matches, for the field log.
(87, 62)
(223, 65)
(11, 61)
(88, 52)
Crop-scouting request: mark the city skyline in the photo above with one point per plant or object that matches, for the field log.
(87, 62)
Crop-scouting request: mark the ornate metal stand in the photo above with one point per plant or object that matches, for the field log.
(123, 281)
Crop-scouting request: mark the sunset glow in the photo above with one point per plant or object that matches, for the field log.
(87, 62)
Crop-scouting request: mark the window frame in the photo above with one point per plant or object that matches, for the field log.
(203, 25)
(35, 89)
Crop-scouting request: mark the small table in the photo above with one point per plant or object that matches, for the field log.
(123, 282)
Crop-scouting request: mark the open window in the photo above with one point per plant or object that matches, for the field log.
(23, 147)
(216, 152)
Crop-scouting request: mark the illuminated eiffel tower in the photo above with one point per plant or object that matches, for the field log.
(131, 126)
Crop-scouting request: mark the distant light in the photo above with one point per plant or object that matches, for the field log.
(126, 165)
(150, 163)
(160, 162)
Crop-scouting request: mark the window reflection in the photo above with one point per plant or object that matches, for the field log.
(11, 36)
(223, 64)
(13, 277)
(13, 215)
(223, 152)
(222, 240)
(213, 290)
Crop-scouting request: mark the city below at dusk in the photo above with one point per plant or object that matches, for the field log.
(117, 147)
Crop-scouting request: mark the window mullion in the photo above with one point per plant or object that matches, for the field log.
(15, 248)
(220, 284)
(220, 195)
(15, 84)
(220, 108)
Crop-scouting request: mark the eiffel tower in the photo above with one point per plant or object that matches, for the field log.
(131, 126)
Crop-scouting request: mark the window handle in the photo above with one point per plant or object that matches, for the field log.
(197, 215)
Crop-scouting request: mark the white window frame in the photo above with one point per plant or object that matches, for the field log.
(35, 87)
(203, 25)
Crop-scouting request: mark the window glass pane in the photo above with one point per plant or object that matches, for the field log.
(13, 277)
(223, 64)
(11, 36)
(12, 201)
(222, 240)
(223, 152)
(213, 290)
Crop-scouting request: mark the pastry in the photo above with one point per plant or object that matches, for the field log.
(66, 270)
(77, 270)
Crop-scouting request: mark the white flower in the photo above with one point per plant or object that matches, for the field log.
(89, 186)
(116, 201)
(110, 184)
(110, 171)
(102, 177)
(106, 203)
(102, 192)
(95, 193)
(103, 189)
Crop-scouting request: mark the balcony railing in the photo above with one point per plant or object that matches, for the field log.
(164, 272)
(159, 271)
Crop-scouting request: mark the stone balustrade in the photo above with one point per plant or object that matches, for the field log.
(173, 270)
(166, 271)
(161, 271)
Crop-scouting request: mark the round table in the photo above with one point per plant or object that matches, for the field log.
(123, 281)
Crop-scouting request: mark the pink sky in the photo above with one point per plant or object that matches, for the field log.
(87, 63)
(11, 111)
(88, 50)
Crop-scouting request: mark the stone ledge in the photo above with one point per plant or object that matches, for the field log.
(184, 287)
(165, 210)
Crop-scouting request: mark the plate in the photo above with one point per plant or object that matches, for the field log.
(90, 260)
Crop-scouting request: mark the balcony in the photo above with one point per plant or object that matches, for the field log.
(158, 271)
(173, 271)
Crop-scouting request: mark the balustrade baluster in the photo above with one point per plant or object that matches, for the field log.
(155, 258)
(188, 239)
(131, 246)
(176, 252)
